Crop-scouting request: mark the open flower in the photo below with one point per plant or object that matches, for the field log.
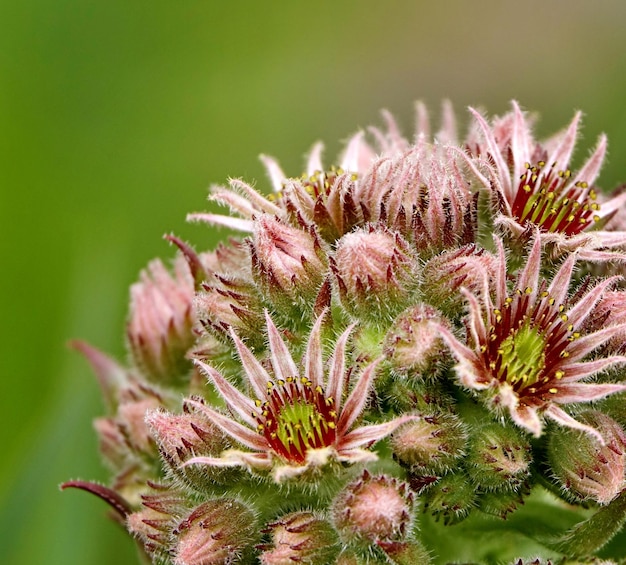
(297, 421)
(534, 186)
(526, 349)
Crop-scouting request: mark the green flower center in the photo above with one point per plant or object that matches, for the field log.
(296, 418)
(522, 356)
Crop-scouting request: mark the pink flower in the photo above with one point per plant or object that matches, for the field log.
(525, 349)
(534, 186)
(297, 422)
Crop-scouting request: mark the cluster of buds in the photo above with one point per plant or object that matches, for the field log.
(400, 343)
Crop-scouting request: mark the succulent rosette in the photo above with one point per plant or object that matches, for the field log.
(428, 335)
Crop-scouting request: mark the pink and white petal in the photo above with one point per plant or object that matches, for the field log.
(527, 418)
(313, 362)
(358, 155)
(561, 281)
(357, 456)
(589, 342)
(476, 321)
(234, 458)
(590, 170)
(561, 417)
(314, 160)
(225, 221)
(243, 405)
(579, 312)
(583, 392)
(259, 201)
(255, 372)
(529, 277)
(233, 200)
(612, 204)
(472, 163)
(595, 256)
(237, 431)
(448, 133)
(274, 172)
(422, 120)
(521, 141)
(577, 371)
(492, 145)
(371, 433)
(282, 362)
(357, 399)
(562, 154)
(336, 373)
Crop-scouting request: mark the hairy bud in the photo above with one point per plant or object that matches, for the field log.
(498, 457)
(375, 272)
(300, 537)
(452, 498)
(374, 508)
(583, 467)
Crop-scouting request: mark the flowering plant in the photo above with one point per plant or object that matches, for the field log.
(406, 353)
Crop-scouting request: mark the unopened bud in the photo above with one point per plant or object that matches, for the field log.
(469, 267)
(583, 467)
(452, 498)
(430, 444)
(374, 508)
(405, 552)
(502, 503)
(113, 445)
(375, 272)
(414, 342)
(288, 262)
(161, 320)
(498, 457)
(218, 531)
(300, 537)
(183, 436)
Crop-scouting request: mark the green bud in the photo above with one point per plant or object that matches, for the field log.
(452, 498)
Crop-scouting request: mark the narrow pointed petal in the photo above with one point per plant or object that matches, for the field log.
(561, 417)
(225, 221)
(314, 161)
(447, 134)
(313, 362)
(235, 399)
(583, 307)
(589, 342)
(357, 399)
(274, 172)
(560, 283)
(282, 361)
(501, 167)
(257, 375)
(562, 154)
(237, 431)
(476, 322)
(577, 371)
(527, 418)
(371, 433)
(256, 198)
(529, 277)
(590, 170)
(357, 455)
(112, 498)
(422, 120)
(338, 368)
(521, 141)
(234, 201)
(233, 458)
(583, 392)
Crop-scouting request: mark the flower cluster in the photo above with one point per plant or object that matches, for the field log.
(397, 343)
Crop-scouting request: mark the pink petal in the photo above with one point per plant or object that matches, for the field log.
(529, 277)
(255, 372)
(422, 120)
(282, 362)
(447, 135)
(313, 362)
(314, 162)
(591, 168)
(527, 417)
(338, 369)
(521, 141)
(562, 154)
(579, 312)
(258, 201)
(274, 172)
(589, 342)
(560, 283)
(235, 399)
(577, 371)
(582, 392)
(357, 399)
(563, 418)
(220, 220)
(372, 432)
(234, 429)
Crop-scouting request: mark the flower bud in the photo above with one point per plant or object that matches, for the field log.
(414, 341)
(161, 319)
(300, 537)
(405, 552)
(502, 503)
(373, 509)
(498, 457)
(289, 263)
(452, 498)
(431, 444)
(583, 467)
(113, 445)
(375, 272)
(215, 532)
(469, 267)
(183, 436)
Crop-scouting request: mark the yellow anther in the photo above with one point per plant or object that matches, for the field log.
(553, 390)
(564, 317)
(331, 425)
(559, 375)
(541, 164)
(528, 290)
(563, 354)
(257, 403)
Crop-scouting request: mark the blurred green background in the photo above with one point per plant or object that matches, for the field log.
(115, 116)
